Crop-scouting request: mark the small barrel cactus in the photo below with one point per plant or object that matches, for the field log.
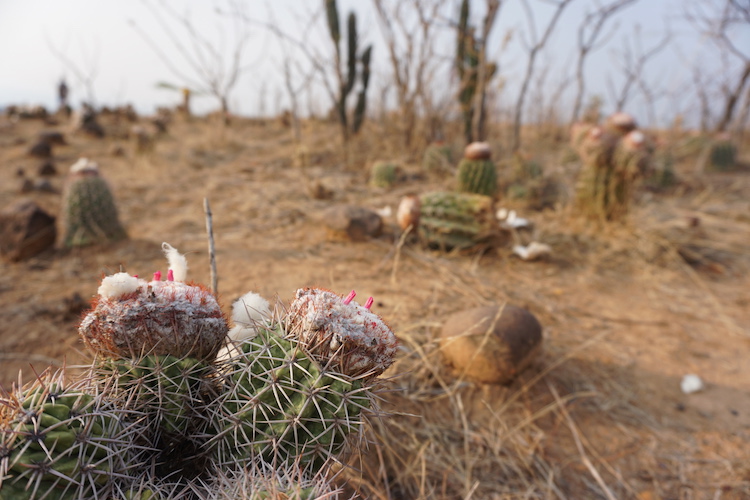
(89, 212)
(383, 174)
(438, 157)
(458, 221)
(476, 172)
(722, 154)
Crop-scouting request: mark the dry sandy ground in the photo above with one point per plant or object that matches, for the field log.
(624, 316)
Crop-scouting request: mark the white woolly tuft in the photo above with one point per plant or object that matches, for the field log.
(177, 262)
(248, 312)
(83, 164)
(119, 284)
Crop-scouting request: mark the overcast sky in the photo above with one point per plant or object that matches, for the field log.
(97, 36)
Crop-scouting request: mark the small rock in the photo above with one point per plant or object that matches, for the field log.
(318, 191)
(25, 230)
(20, 172)
(691, 383)
(490, 345)
(27, 186)
(357, 223)
(41, 150)
(52, 138)
(46, 169)
(44, 185)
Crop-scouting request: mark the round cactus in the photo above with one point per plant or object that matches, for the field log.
(383, 174)
(89, 213)
(477, 176)
(458, 221)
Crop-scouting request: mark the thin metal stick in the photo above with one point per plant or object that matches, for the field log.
(211, 247)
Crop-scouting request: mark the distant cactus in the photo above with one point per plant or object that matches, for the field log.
(438, 158)
(612, 165)
(476, 172)
(89, 213)
(383, 174)
(722, 155)
(354, 58)
(458, 221)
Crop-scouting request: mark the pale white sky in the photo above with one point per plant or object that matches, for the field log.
(97, 36)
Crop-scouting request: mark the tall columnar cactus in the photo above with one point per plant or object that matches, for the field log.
(612, 165)
(61, 440)
(89, 212)
(348, 80)
(467, 66)
(458, 221)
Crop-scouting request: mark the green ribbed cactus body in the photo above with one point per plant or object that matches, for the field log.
(722, 156)
(282, 407)
(477, 176)
(438, 158)
(58, 442)
(383, 174)
(457, 220)
(168, 391)
(89, 213)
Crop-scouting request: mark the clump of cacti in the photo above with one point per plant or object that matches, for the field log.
(614, 157)
(476, 171)
(177, 405)
(459, 221)
(348, 78)
(89, 212)
(383, 174)
(722, 154)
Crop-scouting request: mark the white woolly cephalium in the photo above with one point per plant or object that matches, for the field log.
(177, 262)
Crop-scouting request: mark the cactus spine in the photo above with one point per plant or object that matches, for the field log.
(347, 82)
(89, 210)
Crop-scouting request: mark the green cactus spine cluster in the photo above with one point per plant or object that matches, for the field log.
(477, 176)
(383, 174)
(438, 158)
(458, 221)
(722, 155)
(89, 212)
(354, 59)
(285, 408)
(61, 441)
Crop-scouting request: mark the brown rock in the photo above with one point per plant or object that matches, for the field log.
(46, 169)
(408, 212)
(491, 344)
(41, 150)
(478, 151)
(53, 138)
(25, 230)
(357, 223)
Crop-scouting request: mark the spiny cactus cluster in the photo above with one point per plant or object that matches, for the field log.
(89, 213)
(615, 157)
(175, 405)
(459, 221)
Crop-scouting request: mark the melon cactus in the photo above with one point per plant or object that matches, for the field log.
(458, 221)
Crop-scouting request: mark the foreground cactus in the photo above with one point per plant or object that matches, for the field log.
(299, 387)
(89, 213)
(457, 221)
(61, 441)
(157, 416)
